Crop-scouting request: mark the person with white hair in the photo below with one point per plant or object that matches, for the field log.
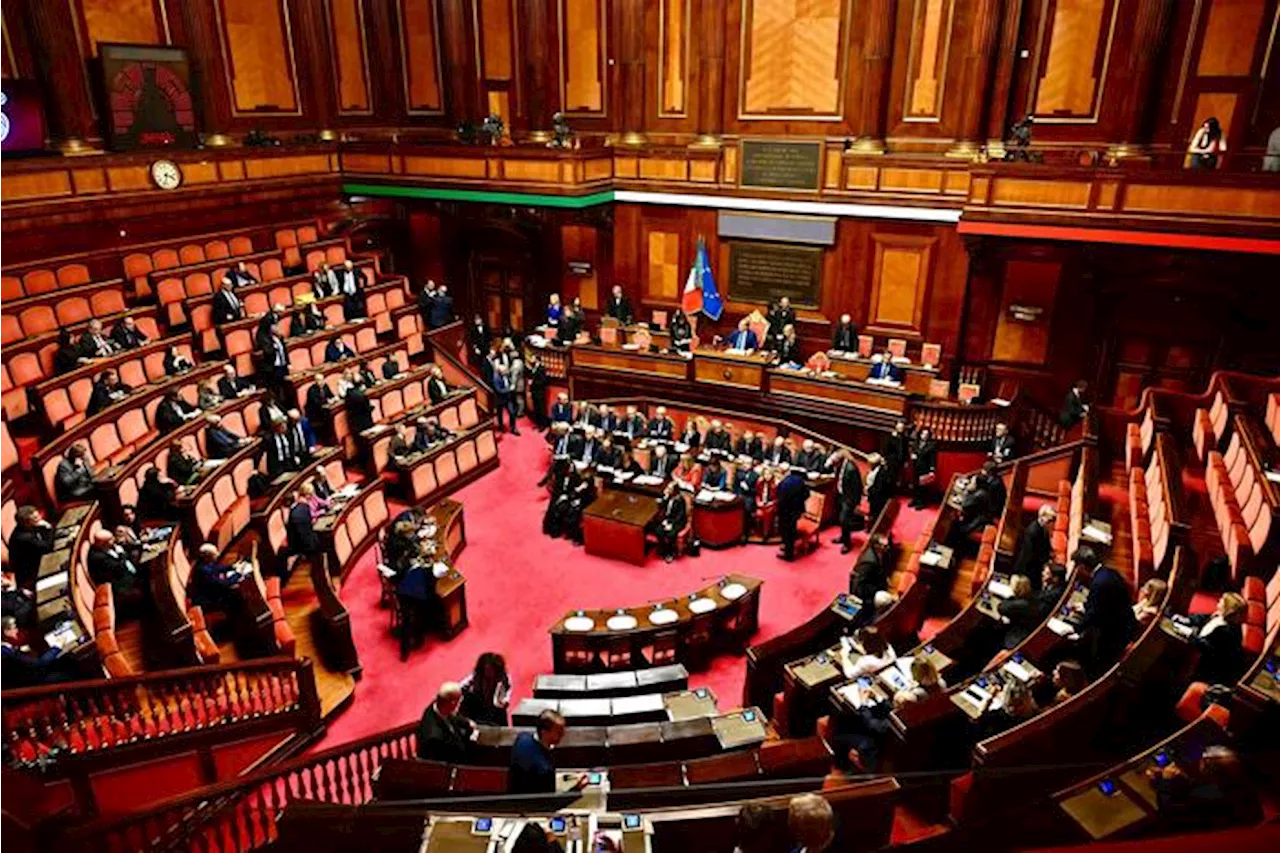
(214, 584)
(443, 733)
(662, 427)
(844, 337)
(1035, 545)
(110, 563)
(812, 823)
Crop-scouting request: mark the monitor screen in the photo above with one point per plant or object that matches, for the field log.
(22, 127)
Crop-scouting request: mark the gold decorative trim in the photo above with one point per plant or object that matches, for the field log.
(1098, 90)
(662, 53)
(404, 60)
(227, 66)
(602, 12)
(364, 60)
(842, 71)
(940, 97)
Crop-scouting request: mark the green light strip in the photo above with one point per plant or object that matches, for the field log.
(527, 199)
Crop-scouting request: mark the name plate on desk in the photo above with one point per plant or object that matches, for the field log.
(765, 272)
(779, 165)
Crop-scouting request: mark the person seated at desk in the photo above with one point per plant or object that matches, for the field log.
(227, 307)
(876, 653)
(788, 350)
(231, 386)
(107, 391)
(346, 381)
(714, 476)
(67, 357)
(94, 343)
(359, 411)
(338, 350)
(73, 479)
(662, 464)
(610, 455)
(745, 481)
(778, 453)
(743, 338)
(590, 449)
(157, 496)
(1018, 705)
(688, 472)
(619, 307)
(585, 415)
(443, 733)
(319, 396)
(884, 370)
(1219, 639)
(486, 691)
(673, 517)
(30, 540)
(1216, 793)
(812, 824)
(399, 449)
(575, 492)
(324, 281)
(681, 332)
(628, 464)
(207, 396)
(858, 735)
(318, 503)
(1150, 601)
(750, 445)
(554, 310)
(215, 586)
(17, 603)
(662, 427)
(127, 335)
(608, 421)
(564, 443)
(1018, 612)
(240, 275)
(570, 326)
(870, 577)
(1035, 544)
(844, 337)
(561, 410)
(635, 424)
(437, 388)
(109, 563)
(1001, 445)
(182, 466)
(977, 509)
(809, 458)
(428, 433)
(173, 411)
(306, 320)
(391, 370)
(533, 768)
(22, 667)
(362, 377)
(1053, 580)
(718, 438)
(1068, 680)
(281, 457)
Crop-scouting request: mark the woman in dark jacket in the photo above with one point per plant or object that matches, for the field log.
(175, 363)
(924, 458)
(157, 497)
(1220, 641)
(1019, 611)
(486, 692)
(67, 356)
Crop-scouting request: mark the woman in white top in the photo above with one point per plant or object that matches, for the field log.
(876, 654)
(1208, 143)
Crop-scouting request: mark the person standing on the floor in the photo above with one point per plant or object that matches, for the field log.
(849, 495)
(793, 491)
(879, 486)
(516, 372)
(870, 576)
(505, 392)
(924, 468)
(538, 391)
(1035, 545)
(486, 692)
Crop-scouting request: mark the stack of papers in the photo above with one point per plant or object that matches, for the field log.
(1000, 589)
(1061, 628)
(931, 558)
(648, 480)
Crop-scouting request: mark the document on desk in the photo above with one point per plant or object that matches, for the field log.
(1017, 670)
(931, 558)
(999, 588)
(59, 579)
(1061, 627)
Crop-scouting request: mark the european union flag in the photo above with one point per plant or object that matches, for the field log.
(711, 304)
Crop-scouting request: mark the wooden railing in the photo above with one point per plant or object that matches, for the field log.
(241, 814)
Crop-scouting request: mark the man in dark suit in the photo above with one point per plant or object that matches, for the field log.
(610, 455)
(231, 386)
(107, 390)
(441, 308)
(788, 348)
(563, 442)
(561, 409)
(718, 438)
(778, 453)
(781, 315)
(214, 585)
(585, 415)
(227, 307)
(662, 427)
(22, 667)
(1107, 624)
(437, 389)
(533, 767)
(849, 498)
(110, 563)
(219, 441)
(338, 350)
(844, 337)
(173, 411)
(608, 420)
(359, 410)
(793, 491)
(590, 449)
(443, 734)
(750, 445)
(127, 335)
(897, 450)
(29, 542)
(634, 424)
(619, 306)
(743, 338)
(1001, 445)
(745, 480)
(427, 301)
(73, 479)
(662, 463)
(95, 344)
(274, 361)
(324, 281)
(1074, 408)
(879, 486)
(280, 455)
(870, 575)
(673, 515)
(883, 369)
(319, 396)
(809, 458)
(302, 438)
(1035, 545)
(300, 534)
(240, 275)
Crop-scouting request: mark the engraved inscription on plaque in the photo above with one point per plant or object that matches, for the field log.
(781, 165)
(765, 272)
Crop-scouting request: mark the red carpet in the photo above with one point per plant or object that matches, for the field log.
(519, 582)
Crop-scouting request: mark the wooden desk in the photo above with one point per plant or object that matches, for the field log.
(793, 383)
(614, 525)
(915, 379)
(629, 361)
(719, 367)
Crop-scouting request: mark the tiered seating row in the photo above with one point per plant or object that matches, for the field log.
(1273, 416)
(1156, 515)
(1210, 426)
(1140, 437)
(456, 412)
(39, 315)
(1244, 501)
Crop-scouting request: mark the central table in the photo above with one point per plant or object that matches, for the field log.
(614, 525)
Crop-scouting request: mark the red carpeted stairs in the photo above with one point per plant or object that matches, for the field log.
(520, 581)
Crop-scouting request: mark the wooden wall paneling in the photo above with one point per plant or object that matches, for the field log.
(580, 243)
(121, 21)
(460, 57)
(662, 266)
(976, 69)
(1071, 59)
(999, 99)
(929, 48)
(793, 59)
(675, 21)
(1024, 325)
(1225, 47)
(877, 51)
(420, 59)
(1132, 105)
(583, 27)
(902, 267)
(537, 22)
(349, 56)
(71, 115)
(711, 33)
(499, 57)
(258, 55)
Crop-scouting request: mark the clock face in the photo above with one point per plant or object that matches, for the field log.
(166, 174)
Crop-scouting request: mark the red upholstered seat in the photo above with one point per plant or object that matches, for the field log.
(1188, 707)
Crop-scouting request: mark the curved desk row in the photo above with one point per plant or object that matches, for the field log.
(658, 633)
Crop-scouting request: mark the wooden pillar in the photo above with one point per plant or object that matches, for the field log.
(710, 41)
(320, 59)
(631, 63)
(212, 92)
(1150, 31)
(460, 63)
(1001, 94)
(62, 72)
(877, 50)
(537, 39)
(978, 65)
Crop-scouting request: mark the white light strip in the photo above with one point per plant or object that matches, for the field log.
(773, 205)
